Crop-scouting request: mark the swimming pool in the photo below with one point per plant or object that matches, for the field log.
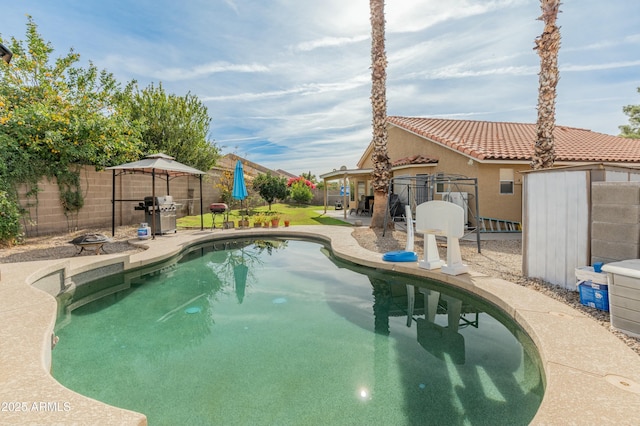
(277, 331)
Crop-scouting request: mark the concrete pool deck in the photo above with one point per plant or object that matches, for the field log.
(592, 377)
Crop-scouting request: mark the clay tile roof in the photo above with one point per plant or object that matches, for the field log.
(487, 140)
(415, 159)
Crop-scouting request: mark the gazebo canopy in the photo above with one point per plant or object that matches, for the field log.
(159, 163)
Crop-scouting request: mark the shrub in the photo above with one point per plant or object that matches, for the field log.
(300, 193)
(9, 220)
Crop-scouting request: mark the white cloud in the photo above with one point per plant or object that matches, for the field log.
(416, 15)
(232, 5)
(329, 42)
(156, 72)
(599, 67)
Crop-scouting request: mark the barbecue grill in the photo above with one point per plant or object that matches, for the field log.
(215, 209)
(165, 213)
(218, 208)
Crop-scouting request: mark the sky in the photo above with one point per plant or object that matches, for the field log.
(287, 82)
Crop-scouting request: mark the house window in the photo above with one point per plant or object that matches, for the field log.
(506, 181)
(361, 188)
(440, 184)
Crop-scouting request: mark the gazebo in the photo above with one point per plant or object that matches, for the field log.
(157, 165)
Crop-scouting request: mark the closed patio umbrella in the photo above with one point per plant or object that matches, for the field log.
(239, 187)
(240, 272)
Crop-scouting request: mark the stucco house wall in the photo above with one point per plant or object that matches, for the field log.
(402, 144)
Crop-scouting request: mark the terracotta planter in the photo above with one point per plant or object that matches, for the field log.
(275, 223)
(286, 223)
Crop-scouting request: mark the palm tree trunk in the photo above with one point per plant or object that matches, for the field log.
(381, 163)
(547, 45)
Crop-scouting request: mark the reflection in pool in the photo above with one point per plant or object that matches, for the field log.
(279, 332)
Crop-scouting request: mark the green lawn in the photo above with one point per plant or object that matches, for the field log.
(297, 215)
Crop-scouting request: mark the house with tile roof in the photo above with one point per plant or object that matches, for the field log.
(493, 152)
(228, 162)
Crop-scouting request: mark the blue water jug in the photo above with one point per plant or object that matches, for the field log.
(144, 232)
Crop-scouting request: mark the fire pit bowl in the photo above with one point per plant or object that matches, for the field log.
(90, 242)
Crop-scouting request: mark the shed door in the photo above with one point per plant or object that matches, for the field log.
(556, 225)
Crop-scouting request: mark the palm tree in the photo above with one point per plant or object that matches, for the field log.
(547, 46)
(381, 163)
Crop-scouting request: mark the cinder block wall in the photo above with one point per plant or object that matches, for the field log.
(46, 215)
(615, 227)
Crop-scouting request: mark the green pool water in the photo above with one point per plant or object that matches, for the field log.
(280, 333)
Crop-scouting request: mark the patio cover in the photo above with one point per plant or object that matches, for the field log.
(343, 175)
(154, 164)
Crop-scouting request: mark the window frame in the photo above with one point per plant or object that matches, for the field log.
(507, 180)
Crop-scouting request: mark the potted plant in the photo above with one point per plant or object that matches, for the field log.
(244, 222)
(258, 221)
(286, 222)
(275, 220)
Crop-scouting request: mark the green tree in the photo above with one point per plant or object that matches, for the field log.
(175, 125)
(270, 188)
(631, 130)
(55, 116)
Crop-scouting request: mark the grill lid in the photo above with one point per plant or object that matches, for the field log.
(218, 207)
(167, 199)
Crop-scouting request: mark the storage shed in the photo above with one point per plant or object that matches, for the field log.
(570, 212)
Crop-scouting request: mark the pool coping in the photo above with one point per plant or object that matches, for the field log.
(591, 375)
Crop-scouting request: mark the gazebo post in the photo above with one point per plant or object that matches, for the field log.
(113, 202)
(345, 204)
(201, 212)
(325, 193)
(153, 204)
